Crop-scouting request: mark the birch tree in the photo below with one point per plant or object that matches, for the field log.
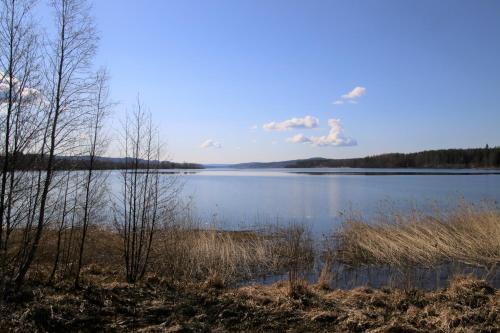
(68, 62)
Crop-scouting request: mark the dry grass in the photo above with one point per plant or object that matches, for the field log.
(184, 253)
(192, 269)
(467, 305)
(199, 255)
(470, 235)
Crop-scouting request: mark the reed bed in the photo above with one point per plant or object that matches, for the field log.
(219, 257)
(183, 252)
(469, 235)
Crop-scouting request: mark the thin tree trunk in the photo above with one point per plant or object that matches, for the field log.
(48, 176)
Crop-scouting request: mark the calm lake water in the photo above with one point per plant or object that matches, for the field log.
(247, 198)
(242, 198)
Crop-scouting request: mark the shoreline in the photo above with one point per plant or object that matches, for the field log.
(193, 282)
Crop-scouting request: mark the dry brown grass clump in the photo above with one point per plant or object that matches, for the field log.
(187, 253)
(197, 255)
(467, 305)
(470, 235)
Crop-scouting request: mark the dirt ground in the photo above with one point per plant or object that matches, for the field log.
(467, 305)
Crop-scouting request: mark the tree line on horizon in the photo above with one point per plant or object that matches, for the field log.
(25, 162)
(444, 158)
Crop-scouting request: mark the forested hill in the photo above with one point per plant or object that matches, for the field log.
(443, 158)
(35, 162)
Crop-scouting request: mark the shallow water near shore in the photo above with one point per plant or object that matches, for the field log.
(346, 278)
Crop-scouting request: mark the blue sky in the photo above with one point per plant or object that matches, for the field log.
(427, 72)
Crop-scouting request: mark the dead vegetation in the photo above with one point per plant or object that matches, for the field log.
(467, 305)
(184, 253)
(192, 283)
(469, 235)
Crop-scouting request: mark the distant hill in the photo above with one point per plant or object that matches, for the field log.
(444, 158)
(255, 165)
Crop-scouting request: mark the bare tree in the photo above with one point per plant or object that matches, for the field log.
(146, 194)
(94, 182)
(20, 116)
(68, 64)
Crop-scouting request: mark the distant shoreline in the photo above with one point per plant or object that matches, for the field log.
(341, 173)
(402, 173)
(471, 158)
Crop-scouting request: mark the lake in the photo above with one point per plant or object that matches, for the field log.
(242, 198)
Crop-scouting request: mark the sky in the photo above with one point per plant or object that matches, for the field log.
(266, 80)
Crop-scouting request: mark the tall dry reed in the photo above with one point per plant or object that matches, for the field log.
(469, 235)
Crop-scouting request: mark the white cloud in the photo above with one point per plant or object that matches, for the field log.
(306, 122)
(352, 96)
(210, 144)
(335, 137)
(298, 138)
(253, 127)
(28, 94)
(355, 93)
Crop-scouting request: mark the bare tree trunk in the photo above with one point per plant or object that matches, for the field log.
(60, 229)
(69, 240)
(97, 119)
(10, 103)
